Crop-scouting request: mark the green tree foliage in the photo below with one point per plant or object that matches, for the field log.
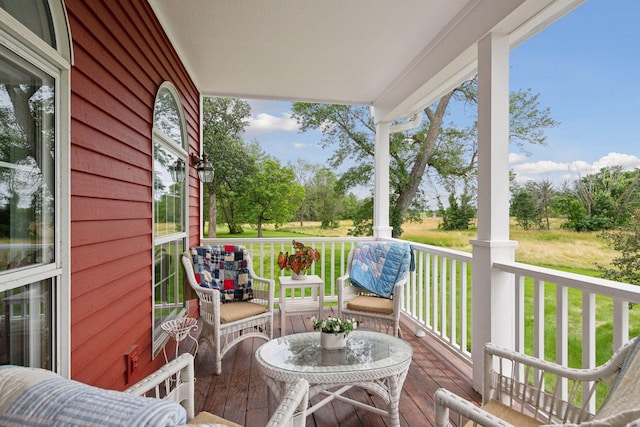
(362, 218)
(224, 121)
(325, 197)
(626, 240)
(600, 201)
(446, 152)
(457, 216)
(523, 208)
(272, 194)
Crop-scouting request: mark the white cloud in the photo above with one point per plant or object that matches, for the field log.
(560, 172)
(268, 123)
(516, 158)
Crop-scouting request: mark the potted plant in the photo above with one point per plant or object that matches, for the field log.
(334, 331)
(299, 261)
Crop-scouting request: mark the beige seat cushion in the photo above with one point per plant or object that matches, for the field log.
(208, 418)
(509, 415)
(371, 304)
(233, 311)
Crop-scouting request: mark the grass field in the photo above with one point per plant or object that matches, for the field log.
(557, 248)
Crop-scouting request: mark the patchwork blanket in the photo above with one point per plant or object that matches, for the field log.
(377, 266)
(37, 397)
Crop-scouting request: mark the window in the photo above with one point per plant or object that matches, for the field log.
(169, 219)
(32, 275)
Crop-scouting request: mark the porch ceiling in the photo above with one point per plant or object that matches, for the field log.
(395, 56)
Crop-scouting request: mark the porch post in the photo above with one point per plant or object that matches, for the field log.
(493, 303)
(381, 228)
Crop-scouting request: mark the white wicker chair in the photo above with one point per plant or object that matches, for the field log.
(175, 381)
(225, 325)
(368, 309)
(520, 390)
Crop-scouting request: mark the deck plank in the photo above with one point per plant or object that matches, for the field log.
(242, 396)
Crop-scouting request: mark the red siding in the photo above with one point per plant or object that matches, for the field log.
(121, 57)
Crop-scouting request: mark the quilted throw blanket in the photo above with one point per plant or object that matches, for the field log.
(37, 397)
(377, 266)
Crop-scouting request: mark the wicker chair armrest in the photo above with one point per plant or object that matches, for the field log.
(446, 401)
(173, 381)
(611, 367)
(292, 410)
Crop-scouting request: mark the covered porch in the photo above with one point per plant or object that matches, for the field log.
(239, 393)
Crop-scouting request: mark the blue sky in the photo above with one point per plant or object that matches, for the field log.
(586, 69)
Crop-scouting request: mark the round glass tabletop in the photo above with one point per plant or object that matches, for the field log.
(365, 350)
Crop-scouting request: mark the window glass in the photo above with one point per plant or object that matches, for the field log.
(166, 116)
(26, 337)
(169, 210)
(168, 195)
(33, 14)
(27, 178)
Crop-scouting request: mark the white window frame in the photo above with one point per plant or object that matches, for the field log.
(57, 63)
(180, 151)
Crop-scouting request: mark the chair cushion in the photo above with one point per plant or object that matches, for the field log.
(240, 310)
(209, 418)
(226, 268)
(371, 304)
(32, 396)
(378, 266)
(509, 415)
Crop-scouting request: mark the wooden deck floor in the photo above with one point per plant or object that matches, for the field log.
(241, 395)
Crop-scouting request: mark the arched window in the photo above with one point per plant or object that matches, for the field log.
(169, 208)
(34, 178)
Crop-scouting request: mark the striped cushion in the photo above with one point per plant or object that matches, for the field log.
(43, 398)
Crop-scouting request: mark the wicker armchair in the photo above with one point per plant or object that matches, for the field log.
(175, 381)
(227, 324)
(368, 308)
(520, 390)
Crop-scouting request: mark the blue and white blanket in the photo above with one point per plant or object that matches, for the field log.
(37, 397)
(378, 266)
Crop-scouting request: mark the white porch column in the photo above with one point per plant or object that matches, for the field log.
(381, 228)
(493, 303)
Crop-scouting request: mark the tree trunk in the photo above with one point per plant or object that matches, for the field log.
(259, 226)
(407, 194)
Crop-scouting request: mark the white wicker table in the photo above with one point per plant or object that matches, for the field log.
(371, 360)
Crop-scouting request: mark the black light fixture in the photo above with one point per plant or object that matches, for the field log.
(205, 170)
(177, 171)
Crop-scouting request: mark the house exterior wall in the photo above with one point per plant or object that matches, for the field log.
(121, 57)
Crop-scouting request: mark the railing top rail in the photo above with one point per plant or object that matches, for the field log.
(596, 285)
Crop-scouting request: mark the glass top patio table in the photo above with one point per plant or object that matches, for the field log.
(364, 351)
(371, 360)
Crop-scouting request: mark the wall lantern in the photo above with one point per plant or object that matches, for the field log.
(177, 171)
(205, 170)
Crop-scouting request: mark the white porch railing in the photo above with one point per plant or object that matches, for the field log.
(438, 296)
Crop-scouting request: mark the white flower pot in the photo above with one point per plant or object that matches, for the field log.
(298, 276)
(332, 341)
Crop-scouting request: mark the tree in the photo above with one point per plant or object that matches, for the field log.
(457, 216)
(223, 122)
(272, 194)
(626, 240)
(325, 198)
(449, 151)
(606, 199)
(523, 207)
(305, 172)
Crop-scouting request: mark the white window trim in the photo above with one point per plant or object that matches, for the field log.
(181, 151)
(57, 63)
